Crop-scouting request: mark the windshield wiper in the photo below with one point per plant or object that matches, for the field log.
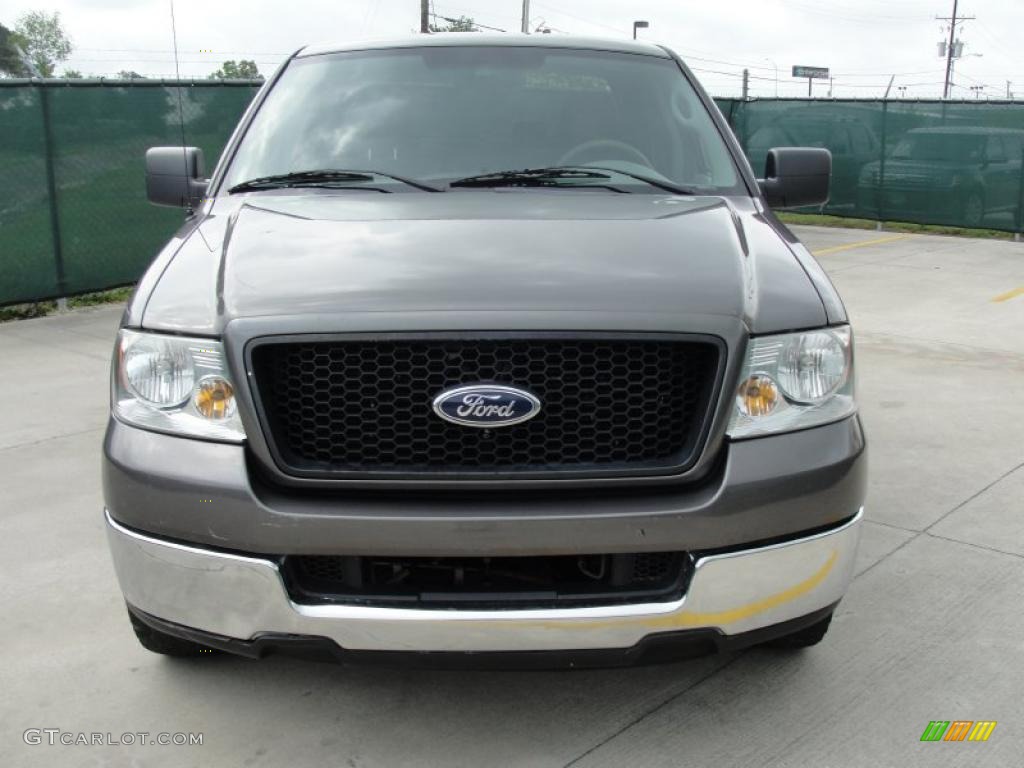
(668, 186)
(322, 178)
(554, 175)
(529, 177)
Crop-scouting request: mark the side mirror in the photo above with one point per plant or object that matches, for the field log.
(174, 176)
(796, 176)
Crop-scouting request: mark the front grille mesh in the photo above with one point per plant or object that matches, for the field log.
(651, 567)
(365, 406)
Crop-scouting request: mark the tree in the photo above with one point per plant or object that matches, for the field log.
(72, 74)
(237, 70)
(44, 41)
(127, 74)
(461, 24)
(11, 54)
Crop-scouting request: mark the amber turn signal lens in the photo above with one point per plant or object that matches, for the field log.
(214, 398)
(757, 396)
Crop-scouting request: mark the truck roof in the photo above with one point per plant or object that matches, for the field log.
(449, 39)
(966, 130)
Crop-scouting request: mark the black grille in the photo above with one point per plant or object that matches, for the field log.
(364, 406)
(487, 581)
(652, 567)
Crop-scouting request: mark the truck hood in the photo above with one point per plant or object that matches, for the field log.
(318, 255)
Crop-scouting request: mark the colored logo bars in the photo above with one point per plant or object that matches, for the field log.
(958, 730)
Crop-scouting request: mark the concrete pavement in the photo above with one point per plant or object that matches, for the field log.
(932, 629)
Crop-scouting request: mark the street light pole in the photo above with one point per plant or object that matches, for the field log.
(526, 17)
(639, 25)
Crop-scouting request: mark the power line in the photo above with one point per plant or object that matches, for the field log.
(734, 63)
(164, 60)
(851, 16)
(161, 50)
(371, 11)
(1000, 51)
(617, 30)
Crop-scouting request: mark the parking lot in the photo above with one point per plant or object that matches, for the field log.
(932, 628)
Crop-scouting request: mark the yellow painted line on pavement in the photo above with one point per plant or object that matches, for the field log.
(860, 244)
(1010, 294)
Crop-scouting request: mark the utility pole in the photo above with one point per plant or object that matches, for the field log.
(951, 47)
(1009, 93)
(889, 88)
(424, 16)
(949, 51)
(526, 17)
(746, 84)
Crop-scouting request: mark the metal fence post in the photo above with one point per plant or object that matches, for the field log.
(51, 191)
(880, 195)
(1019, 223)
(742, 116)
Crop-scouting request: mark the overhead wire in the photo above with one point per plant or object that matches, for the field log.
(757, 72)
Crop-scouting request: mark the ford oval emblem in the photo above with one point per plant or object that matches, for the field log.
(486, 405)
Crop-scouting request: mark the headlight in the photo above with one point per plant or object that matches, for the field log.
(175, 384)
(794, 381)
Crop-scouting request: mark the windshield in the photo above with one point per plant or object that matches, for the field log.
(445, 113)
(940, 146)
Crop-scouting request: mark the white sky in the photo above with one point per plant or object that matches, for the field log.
(862, 41)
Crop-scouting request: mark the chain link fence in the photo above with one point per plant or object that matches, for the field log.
(926, 162)
(73, 210)
(74, 216)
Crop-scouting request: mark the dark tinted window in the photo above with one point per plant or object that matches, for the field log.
(940, 146)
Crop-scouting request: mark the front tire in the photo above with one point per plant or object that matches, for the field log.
(803, 638)
(974, 210)
(164, 644)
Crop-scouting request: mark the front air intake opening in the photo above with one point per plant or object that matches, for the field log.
(487, 582)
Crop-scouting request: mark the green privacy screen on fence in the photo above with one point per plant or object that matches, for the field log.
(930, 162)
(86, 143)
(74, 216)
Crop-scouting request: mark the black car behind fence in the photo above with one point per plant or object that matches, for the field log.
(930, 162)
(71, 160)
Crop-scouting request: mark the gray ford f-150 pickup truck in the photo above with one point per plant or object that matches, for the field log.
(483, 345)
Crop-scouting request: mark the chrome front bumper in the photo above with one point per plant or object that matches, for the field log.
(243, 597)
